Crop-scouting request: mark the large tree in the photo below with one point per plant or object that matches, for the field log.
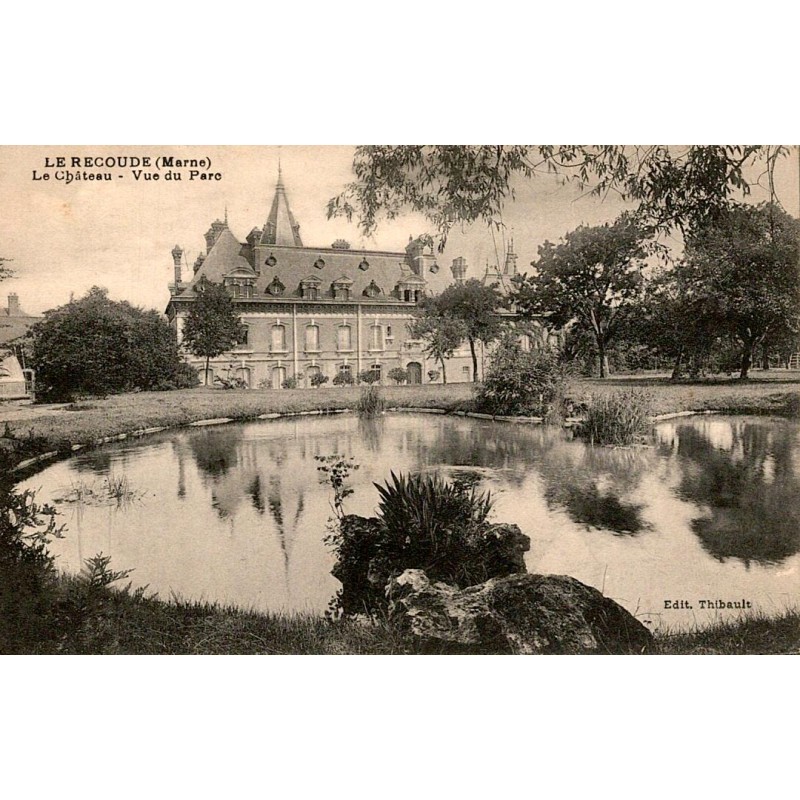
(473, 307)
(669, 187)
(441, 334)
(212, 325)
(593, 277)
(674, 322)
(96, 346)
(744, 266)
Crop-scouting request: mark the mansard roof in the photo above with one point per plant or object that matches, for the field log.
(278, 253)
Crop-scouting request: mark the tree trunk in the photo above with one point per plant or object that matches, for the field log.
(747, 360)
(205, 374)
(602, 358)
(678, 366)
(474, 361)
(444, 371)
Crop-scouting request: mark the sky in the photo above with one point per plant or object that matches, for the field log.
(65, 238)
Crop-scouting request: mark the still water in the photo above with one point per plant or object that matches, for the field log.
(237, 514)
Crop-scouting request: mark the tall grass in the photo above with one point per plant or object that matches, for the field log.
(619, 418)
(370, 402)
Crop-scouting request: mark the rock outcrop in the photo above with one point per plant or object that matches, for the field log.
(519, 613)
(368, 557)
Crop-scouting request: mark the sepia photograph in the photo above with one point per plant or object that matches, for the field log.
(400, 399)
(281, 406)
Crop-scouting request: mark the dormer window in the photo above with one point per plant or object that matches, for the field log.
(309, 288)
(239, 287)
(276, 288)
(409, 290)
(341, 288)
(373, 290)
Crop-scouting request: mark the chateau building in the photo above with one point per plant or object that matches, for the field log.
(327, 310)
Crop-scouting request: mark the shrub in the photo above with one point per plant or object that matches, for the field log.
(186, 376)
(619, 418)
(290, 383)
(426, 523)
(522, 383)
(96, 346)
(433, 375)
(27, 572)
(371, 402)
(343, 379)
(317, 379)
(368, 376)
(398, 375)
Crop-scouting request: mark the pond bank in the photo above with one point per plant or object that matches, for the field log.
(43, 433)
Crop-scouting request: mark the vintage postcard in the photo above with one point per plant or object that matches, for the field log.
(344, 400)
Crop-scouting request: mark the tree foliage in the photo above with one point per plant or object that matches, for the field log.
(441, 334)
(669, 187)
(593, 276)
(212, 325)
(743, 269)
(5, 270)
(96, 346)
(519, 382)
(471, 308)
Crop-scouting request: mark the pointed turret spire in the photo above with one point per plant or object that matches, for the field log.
(281, 228)
(510, 267)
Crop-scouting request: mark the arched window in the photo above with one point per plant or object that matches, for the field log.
(376, 337)
(344, 338)
(278, 339)
(345, 369)
(375, 369)
(312, 338)
(244, 337)
(525, 342)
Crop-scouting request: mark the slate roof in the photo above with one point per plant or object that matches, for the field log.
(294, 263)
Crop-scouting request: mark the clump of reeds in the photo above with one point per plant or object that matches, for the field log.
(618, 418)
(371, 402)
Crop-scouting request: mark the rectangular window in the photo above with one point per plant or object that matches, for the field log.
(344, 339)
(465, 371)
(278, 339)
(312, 338)
(376, 339)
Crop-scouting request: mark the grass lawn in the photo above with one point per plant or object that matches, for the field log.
(59, 427)
(125, 623)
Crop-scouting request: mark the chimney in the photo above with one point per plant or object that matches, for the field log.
(177, 255)
(13, 305)
(459, 269)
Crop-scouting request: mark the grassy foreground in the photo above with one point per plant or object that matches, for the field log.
(123, 622)
(120, 622)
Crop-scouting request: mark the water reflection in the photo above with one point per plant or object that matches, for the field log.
(238, 513)
(743, 477)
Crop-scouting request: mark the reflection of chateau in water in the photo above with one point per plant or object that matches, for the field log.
(238, 513)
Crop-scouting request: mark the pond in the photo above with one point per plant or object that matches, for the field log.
(709, 514)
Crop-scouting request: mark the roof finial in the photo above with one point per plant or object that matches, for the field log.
(280, 173)
(226, 213)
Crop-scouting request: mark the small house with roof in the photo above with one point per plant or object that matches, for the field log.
(15, 380)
